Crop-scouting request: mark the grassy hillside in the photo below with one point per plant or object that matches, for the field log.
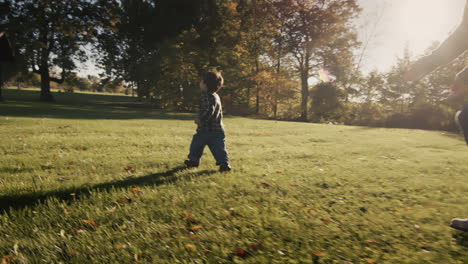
(98, 179)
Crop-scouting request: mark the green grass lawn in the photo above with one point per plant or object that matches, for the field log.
(98, 179)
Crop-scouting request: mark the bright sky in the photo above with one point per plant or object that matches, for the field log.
(416, 23)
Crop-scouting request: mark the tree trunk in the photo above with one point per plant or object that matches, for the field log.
(248, 97)
(1, 83)
(138, 89)
(304, 93)
(257, 102)
(305, 84)
(46, 95)
(275, 109)
(278, 71)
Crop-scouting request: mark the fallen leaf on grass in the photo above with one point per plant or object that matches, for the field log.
(189, 218)
(256, 246)
(372, 242)
(8, 259)
(90, 222)
(319, 254)
(130, 169)
(120, 246)
(126, 200)
(425, 246)
(197, 228)
(191, 247)
(136, 190)
(191, 235)
(240, 253)
(264, 185)
(369, 260)
(72, 252)
(326, 220)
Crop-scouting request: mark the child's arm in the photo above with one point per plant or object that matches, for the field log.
(207, 109)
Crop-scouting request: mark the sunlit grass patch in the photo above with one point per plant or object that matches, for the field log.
(99, 188)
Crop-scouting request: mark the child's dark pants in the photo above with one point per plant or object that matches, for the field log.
(215, 141)
(464, 121)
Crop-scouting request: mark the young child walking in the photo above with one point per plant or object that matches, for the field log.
(210, 130)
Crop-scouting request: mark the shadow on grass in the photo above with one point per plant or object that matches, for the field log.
(24, 103)
(454, 135)
(11, 202)
(461, 238)
(363, 128)
(15, 170)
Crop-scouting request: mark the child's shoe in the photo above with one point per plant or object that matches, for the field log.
(191, 164)
(460, 224)
(225, 167)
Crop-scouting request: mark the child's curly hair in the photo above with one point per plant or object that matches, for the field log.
(214, 81)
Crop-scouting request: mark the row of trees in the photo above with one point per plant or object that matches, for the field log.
(266, 49)
(269, 51)
(385, 99)
(161, 47)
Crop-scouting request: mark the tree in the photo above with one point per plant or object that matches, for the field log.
(6, 57)
(133, 51)
(310, 26)
(326, 103)
(51, 33)
(6, 51)
(398, 93)
(367, 110)
(273, 89)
